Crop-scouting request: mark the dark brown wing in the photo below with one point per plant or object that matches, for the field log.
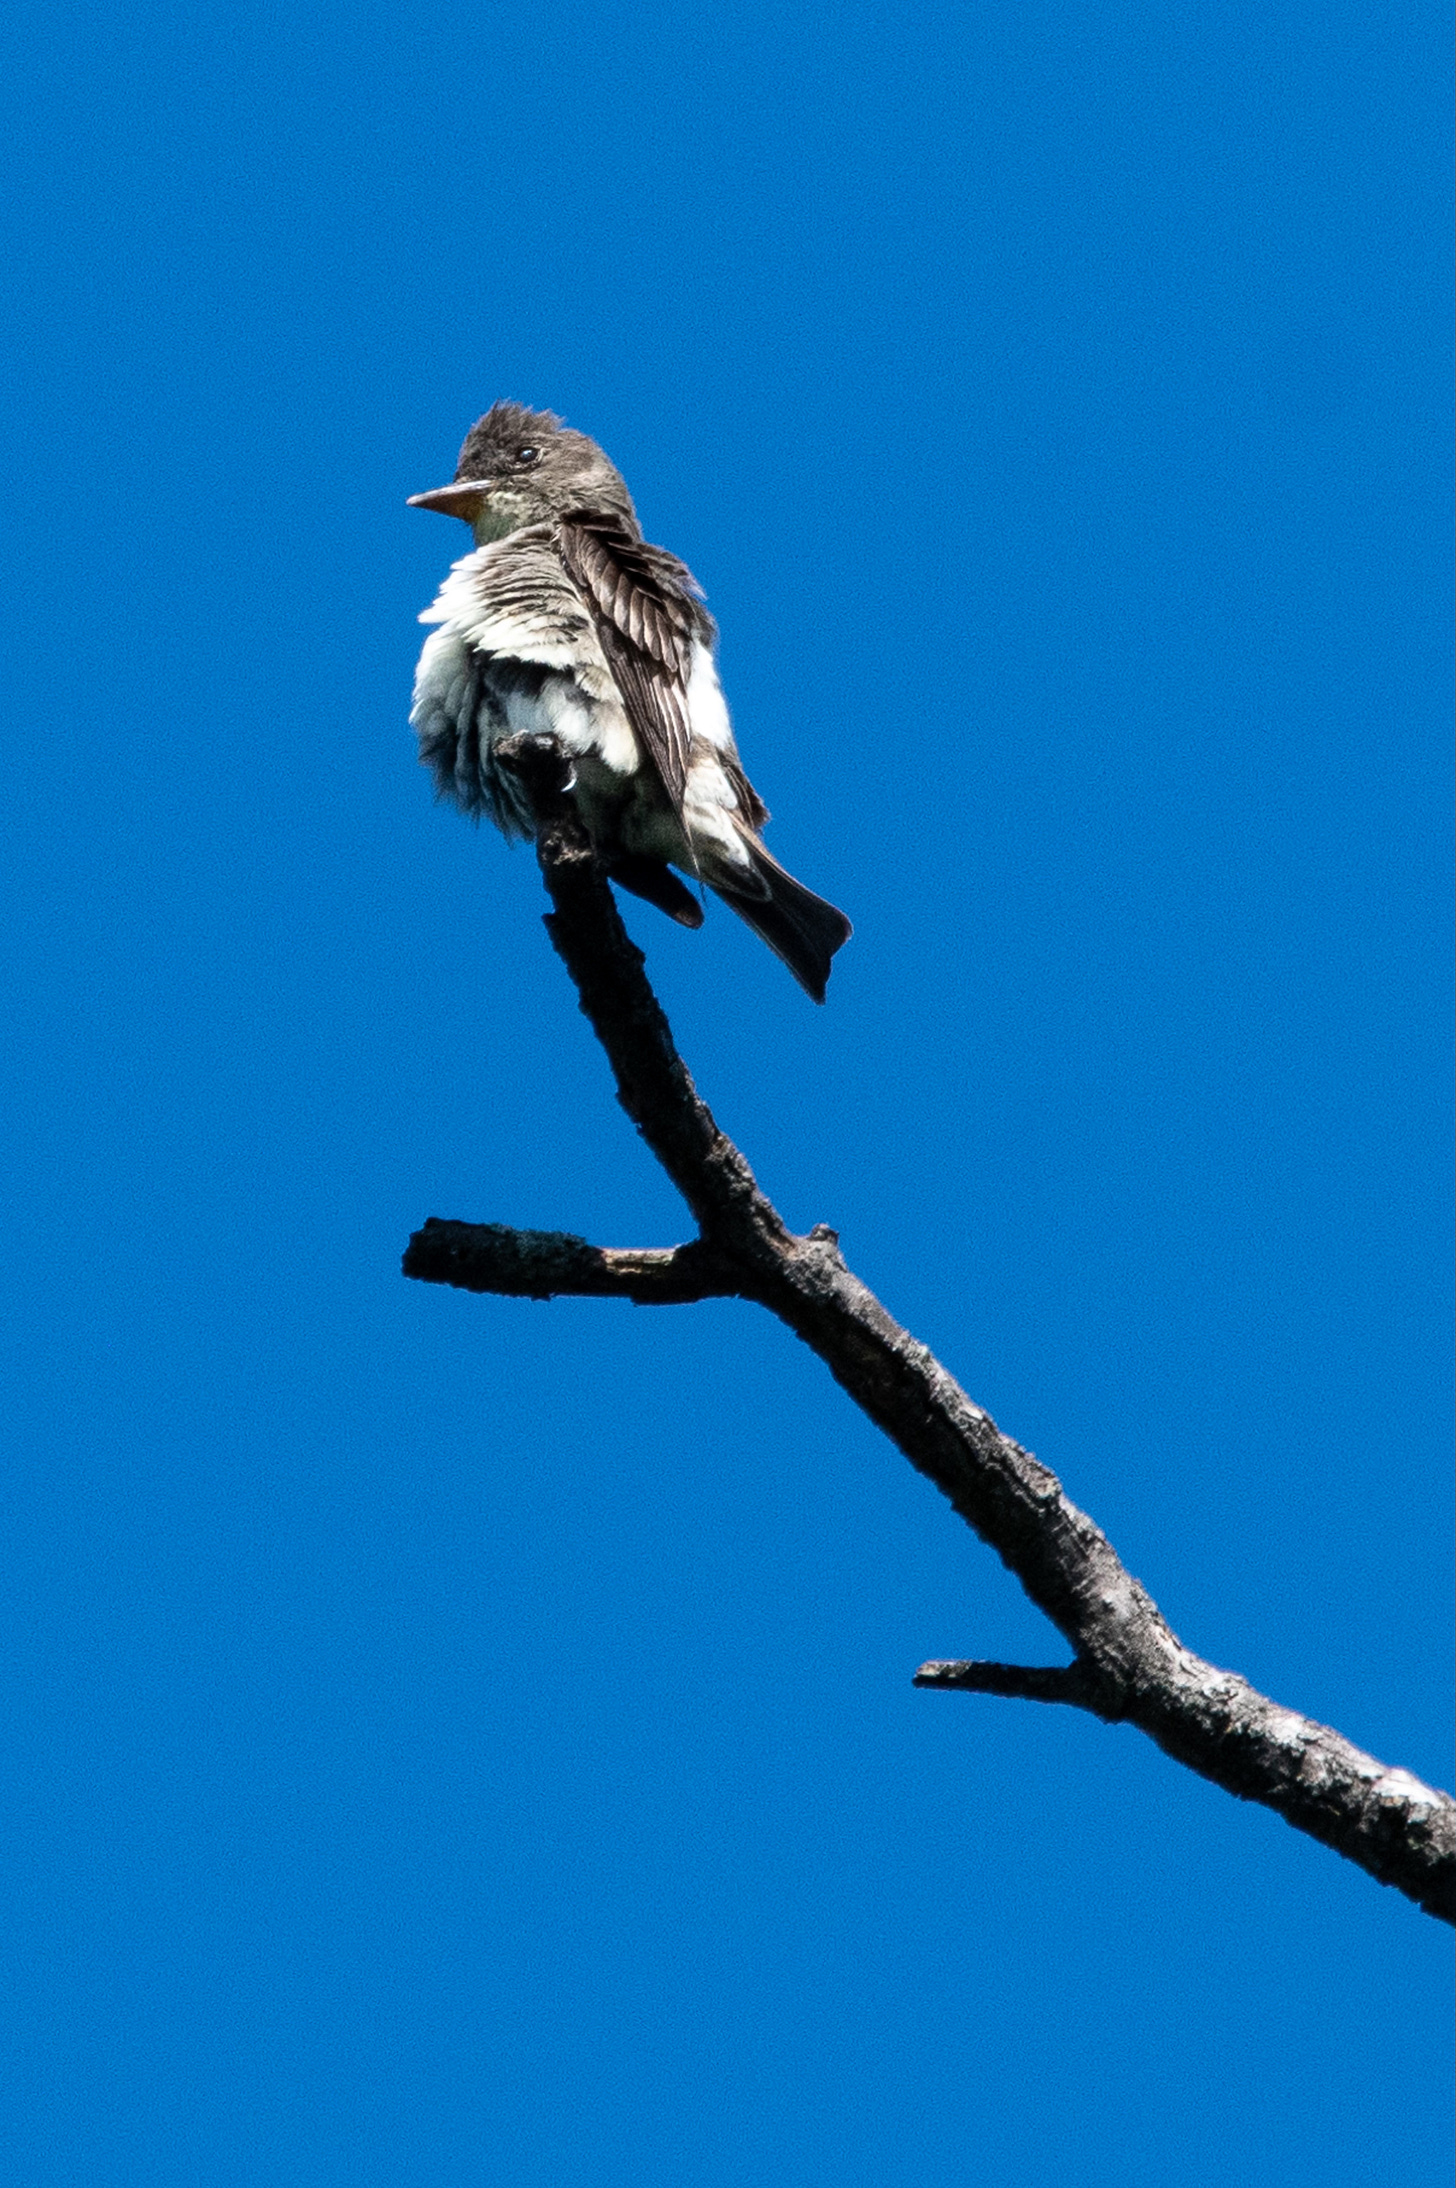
(648, 612)
(750, 804)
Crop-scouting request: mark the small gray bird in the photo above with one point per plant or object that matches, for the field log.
(566, 622)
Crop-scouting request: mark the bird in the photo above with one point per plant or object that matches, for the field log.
(565, 622)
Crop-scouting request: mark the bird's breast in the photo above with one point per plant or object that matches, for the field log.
(466, 701)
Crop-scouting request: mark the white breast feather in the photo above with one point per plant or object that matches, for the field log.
(579, 705)
(442, 678)
(468, 602)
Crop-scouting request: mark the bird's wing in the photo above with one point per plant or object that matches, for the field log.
(648, 613)
(750, 804)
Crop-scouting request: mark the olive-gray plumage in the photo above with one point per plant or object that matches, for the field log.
(566, 622)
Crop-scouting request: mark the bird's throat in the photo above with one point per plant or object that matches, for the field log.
(499, 515)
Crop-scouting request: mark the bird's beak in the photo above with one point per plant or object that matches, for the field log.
(462, 499)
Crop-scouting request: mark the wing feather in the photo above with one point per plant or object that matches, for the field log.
(648, 612)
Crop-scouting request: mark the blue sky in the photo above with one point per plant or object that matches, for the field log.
(455, 1741)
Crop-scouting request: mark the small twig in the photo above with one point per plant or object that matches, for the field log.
(1072, 1683)
(1128, 1663)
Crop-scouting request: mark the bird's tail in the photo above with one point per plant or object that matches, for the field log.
(798, 926)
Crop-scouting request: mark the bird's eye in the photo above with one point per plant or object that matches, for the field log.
(528, 455)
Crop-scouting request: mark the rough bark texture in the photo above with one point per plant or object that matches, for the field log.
(1128, 1665)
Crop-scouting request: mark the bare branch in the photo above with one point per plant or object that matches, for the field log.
(490, 1257)
(652, 1080)
(1128, 1663)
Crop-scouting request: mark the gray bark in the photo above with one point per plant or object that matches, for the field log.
(1127, 1663)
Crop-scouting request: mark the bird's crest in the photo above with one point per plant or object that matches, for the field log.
(499, 434)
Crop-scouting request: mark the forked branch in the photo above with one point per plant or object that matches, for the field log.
(1127, 1663)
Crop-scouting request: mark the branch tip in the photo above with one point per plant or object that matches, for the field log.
(1075, 1684)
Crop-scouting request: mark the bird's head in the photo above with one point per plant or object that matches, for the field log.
(522, 466)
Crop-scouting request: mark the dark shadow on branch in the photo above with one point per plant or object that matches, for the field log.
(1128, 1665)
